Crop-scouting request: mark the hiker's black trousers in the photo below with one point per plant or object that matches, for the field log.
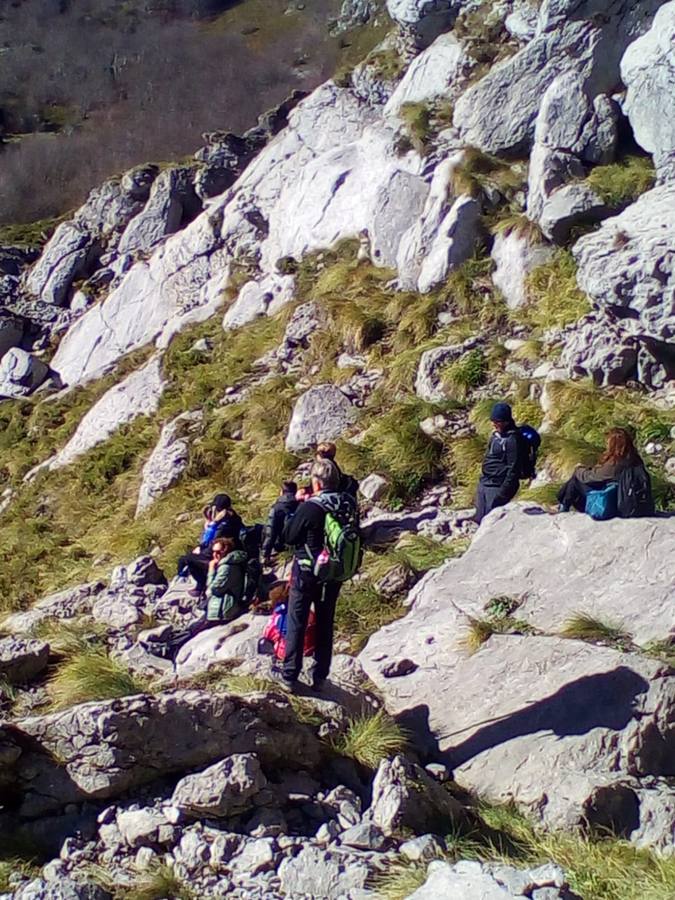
(196, 565)
(572, 495)
(304, 592)
(487, 499)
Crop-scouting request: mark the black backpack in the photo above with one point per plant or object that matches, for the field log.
(634, 497)
(529, 442)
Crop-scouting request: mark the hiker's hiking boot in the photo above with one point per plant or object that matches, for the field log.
(277, 677)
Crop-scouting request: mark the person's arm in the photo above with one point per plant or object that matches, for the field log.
(220, 580)
(509, 486)
(271, 533)
(596, 474)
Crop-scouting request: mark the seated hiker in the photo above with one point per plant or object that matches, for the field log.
(620, 459)
(220, 520)
(499, 480)
(283, 508)
(225, 582)
(347, 483)
(305, 532)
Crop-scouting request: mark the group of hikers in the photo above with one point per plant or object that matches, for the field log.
(319, 524)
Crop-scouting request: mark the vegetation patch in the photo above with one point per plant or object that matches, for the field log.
(553, 297)
(92, 674)
(584, 627)
(621, 183)
(368, 739)
(465, 374)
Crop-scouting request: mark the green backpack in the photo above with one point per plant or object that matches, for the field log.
(341, 556)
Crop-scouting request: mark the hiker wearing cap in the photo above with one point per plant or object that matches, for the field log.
(500, 476)
(220, 521)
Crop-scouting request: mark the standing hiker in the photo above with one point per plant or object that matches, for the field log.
(280, 513)
(347, 483)
(312, 581)
(499, 480)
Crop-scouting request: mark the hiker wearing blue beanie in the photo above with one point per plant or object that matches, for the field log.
(500, 475)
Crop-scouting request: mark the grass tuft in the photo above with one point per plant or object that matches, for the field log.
(621, 183)
(553, 297)
(361, 612)
(584, 627)
(92, 674)
(368, 739)
(464, 374)
(159, 883)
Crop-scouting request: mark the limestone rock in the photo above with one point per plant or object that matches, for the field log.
(169, 459)
(328, 874)
(64, 258)
(140, 827)
(223, 789)
(405, 797)
(373, 487)
(549, 170)
(61, 889)
(648, 71)
(171, 203)
(570, 730)
(321, 413)
(64, 605)
(22, 660)
(473, 879)
(11, 332)
(259, 298)
(21, 373)
(106, 748)
(453, 244)
(515, 256)
(235, 640)
(628, 263)
(498, 113)
(599, 347)
(573, 204)
(138, 395)
(428, 384)
(440, 71)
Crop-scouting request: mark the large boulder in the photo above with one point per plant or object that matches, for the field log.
(627, 264)
(570, 730)
(648, 71)
(233, 641)
(65, 257)
(22, 660)
(470, 879)
(322, 413)
(107, 748)
(223, 789)
(259, 298)
(172, 203)
(138, 395)
(21, 373)
(169, 459)
(330, 874)
(498, 113)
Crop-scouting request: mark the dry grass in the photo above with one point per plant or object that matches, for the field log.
(584, 627)
(368, 739)
(92, 674)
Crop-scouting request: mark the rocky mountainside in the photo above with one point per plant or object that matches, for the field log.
(480, 209)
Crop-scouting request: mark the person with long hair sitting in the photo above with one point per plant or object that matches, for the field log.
(620, 454)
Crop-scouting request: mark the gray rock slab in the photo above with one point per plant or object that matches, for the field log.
(224, 789)
(21, 373)
(64, 605)
(322, 413)
(22, 660)
(169, 458)
(315, 872)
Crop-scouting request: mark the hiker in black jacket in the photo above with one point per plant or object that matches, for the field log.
(282, 510)
(347, 484)
(305, 533)
(221, 521)
(499, 480)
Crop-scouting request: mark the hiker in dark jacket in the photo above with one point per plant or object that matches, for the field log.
(620, 454)
(221, 521)
(347, 483)
(305, 533)
(499, 480)
(282, 510)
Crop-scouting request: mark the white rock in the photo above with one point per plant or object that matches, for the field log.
(373, 487)
(63, 258)
(453, 244)
(463, 880)
(21, 660)
(322, 413)
(315, 872)
(438, 72)
(648, 71)
(140, 827)
(21, 373)
(223, 789)
(138, 395)
(515, 256)
(169, 459)
(235, 640)
(171, 198)
(259, 298)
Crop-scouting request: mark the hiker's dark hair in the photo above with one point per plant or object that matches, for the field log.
(326, 450)
(620, 447)
(226, 543)
(289, 487)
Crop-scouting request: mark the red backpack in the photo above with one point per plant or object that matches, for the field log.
(273, 640)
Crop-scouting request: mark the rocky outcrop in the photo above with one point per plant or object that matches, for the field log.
(515, 256)
(322, 413)
(64, 259)
(423, 20)
(468, 878)
(22, 660)
(224, 789)
(648, 71)
(21, 373)
(627, 264)
(138, 395)
(569, 729)
(105, 749)
(64, 605)
(169, 459)
(260, 298)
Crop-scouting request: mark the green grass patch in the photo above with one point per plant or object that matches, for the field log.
(480, 171)
(553, 296)
(465, 374)
(31, 234)
(92, 674)
(361, 612)
(368, 739)
(584, 627)
(621, 183)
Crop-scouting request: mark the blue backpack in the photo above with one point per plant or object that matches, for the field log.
(601, 504)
